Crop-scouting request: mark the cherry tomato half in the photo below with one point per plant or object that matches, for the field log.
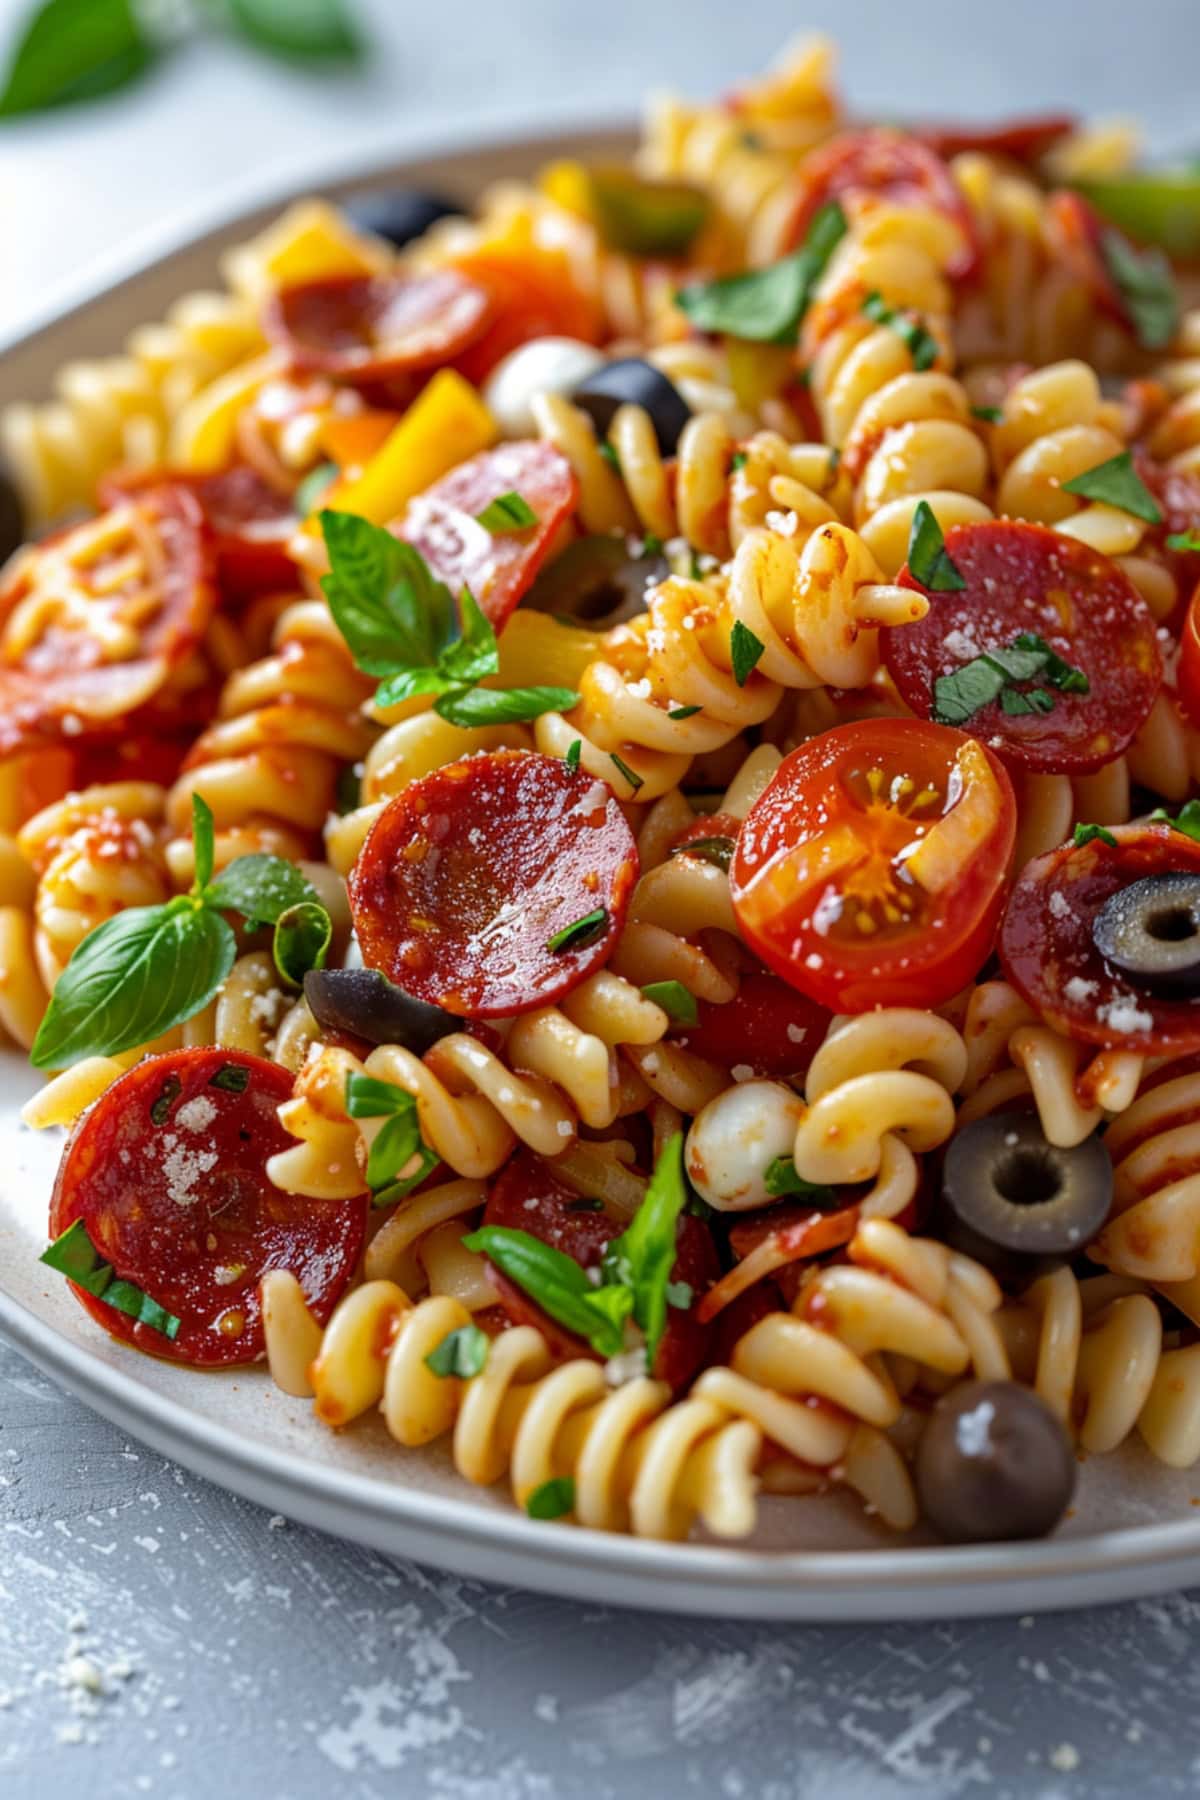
(498, 567)
(369, 328)
(168, 1173)
(872, 870)
(1049, 956)
(527, 1195)
(494, 885)
(888, 164)
(251, 523)
(1026, 579)
(95, 618)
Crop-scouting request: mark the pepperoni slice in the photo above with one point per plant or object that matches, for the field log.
(1023, 578)
(94, 619)
(250, 521)
(1048, 954)
(1022, 140)
(471, 874)
(888, 165)
(368, 328)
(168, 1173)
(443, 523)
(769, 1028)
(528, 1196)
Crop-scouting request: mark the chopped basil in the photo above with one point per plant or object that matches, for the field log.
(1147, 288)
(507, 512)
(651, 546)
(160, 1112)
(928, 559)
(558, 1284)
(234, 1078)
(313, 488)
(301, 942)
(922, 347)
(574, 752)
(75, 1256)
(580, 932)
(676, 1000)
(716, 850)
(683, 712)
(767, 305)
(610, 457)
(1086, 834)
(623, 769)
(1117, 483)
(552, 1500)
(1184, 540)
(462, 1353)
(781, 1178)
(991, 415)
(958, 696)
(744, 651)
(738, 460)
(1186, 820)
(642, 1258)
(203, 841)
(1016, 705)
(398, 1146)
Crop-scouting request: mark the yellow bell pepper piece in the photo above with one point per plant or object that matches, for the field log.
(311, 241)
(569, 186)
(446, 424)
(537, 651)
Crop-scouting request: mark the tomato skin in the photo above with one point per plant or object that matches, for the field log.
(892, 165)
(443, 524)
(461, 913)
(175, 1204)
(810, 808)
(528, 1195)
(769, 1027)
(1046, 940)
(365, 329)
(1026, 578)
(251, 523)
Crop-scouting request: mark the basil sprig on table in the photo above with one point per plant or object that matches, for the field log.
(990, 676)
(400, 624)
(1117, 483)
(767, 305)
(74, 1255)
(636, 1268)
(151, 967)
(391, 1173)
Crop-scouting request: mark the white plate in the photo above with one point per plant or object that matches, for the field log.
(1135, 1529)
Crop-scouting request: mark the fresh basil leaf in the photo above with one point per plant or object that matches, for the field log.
(1184, 540)
(392, 612)
(1037, 700)
(394, 1148)
(553, 1279)
(313, 488)
(475, 654)
(962, 693)
(131, 979)
(644, 1255)
(234, 1078)
(580, 932)
(1186, 820)
(574, 752)
(1147, 287)
(922, 347)
(75, 1256)
(1117, 483)
(502, 706)
(781, 1178)
(301, 942)
(74, 50)
(627, 774)
(553, 1499)
(767, 305)
(507, 512)
(1087, 834)
(1058, 672)
(744, 652)
(462, 1353)
(929, 561)
(369, 1098)
(260, 887)
(676, 1000)
(715, 850)
(308, 31)
(203, 841)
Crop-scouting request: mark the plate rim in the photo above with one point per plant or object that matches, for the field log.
(802, 1584)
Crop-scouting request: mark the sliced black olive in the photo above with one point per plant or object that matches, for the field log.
(994, 1462)
(1150, 930)
(633, 382)
(368, 1005)
(398, 214)
(12, 517)
(597, 582)
(1014, 1201)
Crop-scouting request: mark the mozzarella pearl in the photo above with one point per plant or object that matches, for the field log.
(735, 1139)
(549, 365)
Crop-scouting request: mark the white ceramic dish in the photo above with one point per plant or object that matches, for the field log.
(1134, 1531)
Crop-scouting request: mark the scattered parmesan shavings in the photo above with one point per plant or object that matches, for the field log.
(1124, 1015)
(183, 1168)
(197, 1114)
(1060, 906)
(1078, 989)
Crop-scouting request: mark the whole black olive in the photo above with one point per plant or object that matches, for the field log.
(1014, 1201)
(368, 1005)
(597, 582)
(633, 382)
(398, 214)
(12, 517)
(994, 1462)
(1150, 930)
